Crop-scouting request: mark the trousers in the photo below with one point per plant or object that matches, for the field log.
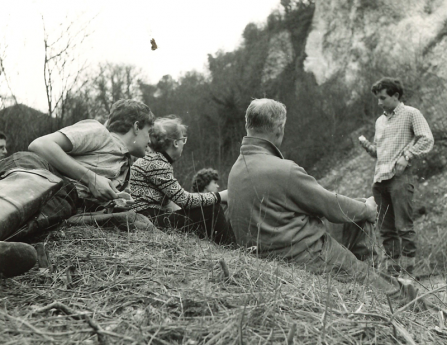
(394, 198)
(206, 222)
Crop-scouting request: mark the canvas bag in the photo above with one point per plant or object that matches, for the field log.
(23, 193)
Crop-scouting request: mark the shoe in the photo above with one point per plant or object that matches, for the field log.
(16, 258)
(128, 220)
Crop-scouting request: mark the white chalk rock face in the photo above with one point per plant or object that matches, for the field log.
(280, 55)
(351, 37)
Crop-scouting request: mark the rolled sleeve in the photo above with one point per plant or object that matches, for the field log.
(86, 136)
(424, 140)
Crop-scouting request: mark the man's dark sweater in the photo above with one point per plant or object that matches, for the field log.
(277, 207)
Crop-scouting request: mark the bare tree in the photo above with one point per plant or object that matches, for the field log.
(114, 82)
(4, 77)
(63, 65)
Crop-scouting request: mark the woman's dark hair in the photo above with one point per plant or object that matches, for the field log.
(203, 178)
(125, 113)
(391, 85)
(166, 130)
(2, 136)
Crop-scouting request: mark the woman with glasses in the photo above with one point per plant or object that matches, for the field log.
(156, 190)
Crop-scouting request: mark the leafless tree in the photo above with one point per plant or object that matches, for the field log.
(114, 82)
(4, 78)
(63, 64)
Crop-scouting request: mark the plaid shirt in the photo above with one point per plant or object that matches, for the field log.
(404, 131)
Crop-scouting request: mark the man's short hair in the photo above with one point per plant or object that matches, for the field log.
(391, 85)
(125, 113)
(2, 136)
(203, 178)
(166, 130)
(265, 115)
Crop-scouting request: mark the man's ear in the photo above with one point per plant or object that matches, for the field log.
(135, 128)
(175, 143)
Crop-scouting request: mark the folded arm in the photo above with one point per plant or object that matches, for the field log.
(54, 147)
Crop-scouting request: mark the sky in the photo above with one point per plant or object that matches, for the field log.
(185, 32)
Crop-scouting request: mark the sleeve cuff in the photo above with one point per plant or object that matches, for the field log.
(409, 155)
(217, 197)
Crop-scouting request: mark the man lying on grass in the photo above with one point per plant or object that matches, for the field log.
(91, 163)
(280, 210)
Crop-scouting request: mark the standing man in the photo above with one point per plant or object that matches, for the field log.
(3, 151)
(402, 135)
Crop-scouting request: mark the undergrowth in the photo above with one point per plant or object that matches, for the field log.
(112, 287)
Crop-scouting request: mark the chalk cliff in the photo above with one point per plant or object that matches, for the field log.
(357, 40)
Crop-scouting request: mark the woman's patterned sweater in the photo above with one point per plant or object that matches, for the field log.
(152, 185)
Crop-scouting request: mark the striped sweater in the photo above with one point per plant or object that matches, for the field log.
(153, 185)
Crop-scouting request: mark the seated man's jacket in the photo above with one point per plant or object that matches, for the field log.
(277, 207)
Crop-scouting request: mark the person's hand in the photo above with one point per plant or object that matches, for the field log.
(371, 207)
(101, 187)
(363, 141)
(400, 166)
(172, 206)
(224, 196)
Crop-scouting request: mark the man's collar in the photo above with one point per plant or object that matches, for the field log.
(120, 142)
(398, 107)
(259, 142)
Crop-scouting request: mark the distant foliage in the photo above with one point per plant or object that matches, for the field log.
(268, 63)
(22, 124)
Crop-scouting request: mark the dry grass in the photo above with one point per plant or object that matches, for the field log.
(112, 287)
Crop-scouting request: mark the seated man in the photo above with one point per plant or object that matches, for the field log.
(280, 210)
(91, 162)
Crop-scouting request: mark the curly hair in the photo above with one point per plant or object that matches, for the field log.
(125, 113)
(203, 178)
(166, 130)
(391, 85)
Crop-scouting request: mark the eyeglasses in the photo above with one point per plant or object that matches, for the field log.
(184, 139)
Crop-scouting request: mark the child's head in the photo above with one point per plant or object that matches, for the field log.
(205, 181)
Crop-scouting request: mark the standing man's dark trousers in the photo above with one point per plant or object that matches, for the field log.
(394, 198)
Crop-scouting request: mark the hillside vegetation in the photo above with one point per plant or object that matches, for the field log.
(112, 287)
(150, 287)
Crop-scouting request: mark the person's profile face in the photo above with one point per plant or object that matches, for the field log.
(387, 102)
(3, 151)
(212, 187)
(141, 141)
(178, 145)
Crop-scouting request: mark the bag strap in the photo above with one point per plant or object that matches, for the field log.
(39, 172)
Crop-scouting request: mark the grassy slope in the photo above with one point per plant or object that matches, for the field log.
(354, 176)
(169, 288)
